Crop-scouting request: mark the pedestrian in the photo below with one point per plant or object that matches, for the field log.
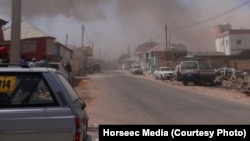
(69, 71)
(68, 67)
(33, 63)
(23, 62)
(43, 62)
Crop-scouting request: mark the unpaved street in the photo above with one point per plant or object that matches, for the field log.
(115, 97)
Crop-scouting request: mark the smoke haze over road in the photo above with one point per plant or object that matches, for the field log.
(113, 25)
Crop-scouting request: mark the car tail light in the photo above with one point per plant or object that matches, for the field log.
(78, 133)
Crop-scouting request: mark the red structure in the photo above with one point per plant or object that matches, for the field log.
(4, 51)
(35, 44)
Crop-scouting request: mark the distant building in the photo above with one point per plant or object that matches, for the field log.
(142, 49)
(36, 43)
(231, 41)
(160, 55)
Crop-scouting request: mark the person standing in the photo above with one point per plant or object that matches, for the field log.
(69, 71)
(33, 63)
(23, 62)
(43, 62)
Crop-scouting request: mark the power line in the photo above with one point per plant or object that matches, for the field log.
(212, 18)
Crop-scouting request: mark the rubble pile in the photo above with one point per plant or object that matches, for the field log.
(240, 84)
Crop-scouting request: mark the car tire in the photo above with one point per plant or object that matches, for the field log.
(185, 83)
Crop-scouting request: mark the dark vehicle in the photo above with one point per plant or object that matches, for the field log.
(96, 68)
(198, 72)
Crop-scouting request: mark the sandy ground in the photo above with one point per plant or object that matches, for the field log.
(84, 88)
(225, 93)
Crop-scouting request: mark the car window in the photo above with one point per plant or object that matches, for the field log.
(55, 66)
(204, 66)
(221, 71)
(70, 90)
(166, 69)
(189, 65)
(25, 90)
(137, 67)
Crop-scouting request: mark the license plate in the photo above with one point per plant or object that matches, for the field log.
(7, 84)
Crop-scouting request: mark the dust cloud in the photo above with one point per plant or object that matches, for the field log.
(117, 24)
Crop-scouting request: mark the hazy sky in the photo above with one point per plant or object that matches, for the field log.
(113, 25)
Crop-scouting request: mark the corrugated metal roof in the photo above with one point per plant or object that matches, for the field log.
(27, 31)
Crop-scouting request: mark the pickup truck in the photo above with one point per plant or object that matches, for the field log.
(39, 104)
(197, 72)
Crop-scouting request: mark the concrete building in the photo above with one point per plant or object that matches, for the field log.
(81, 60)
(160, 55)
(62, 53)
(231, 41)
(140, 51)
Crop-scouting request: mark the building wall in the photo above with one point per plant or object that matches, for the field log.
(76, 61)
(66, 54)
(222, 44)
(243, 38)
(241, 65)
(230, 45)
(222, 28)
(35, 47)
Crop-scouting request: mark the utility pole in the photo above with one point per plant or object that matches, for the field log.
(169, 41)
(82, 50)
(66, 40)
(166, 31)
(129, 52)
(15, 32)
(63, 53)
(99, 53)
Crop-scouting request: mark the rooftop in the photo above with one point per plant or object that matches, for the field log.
(27, 31)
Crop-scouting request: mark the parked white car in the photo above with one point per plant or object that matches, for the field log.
(163, 73)
(136, 69)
